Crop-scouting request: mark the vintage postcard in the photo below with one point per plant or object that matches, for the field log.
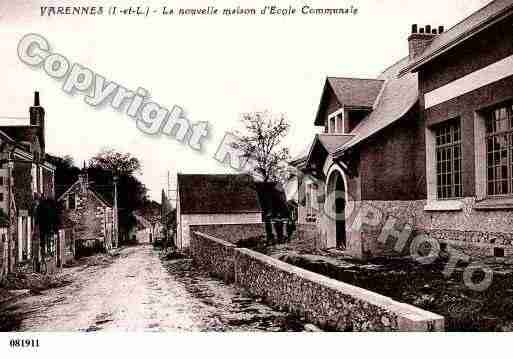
(302, 166)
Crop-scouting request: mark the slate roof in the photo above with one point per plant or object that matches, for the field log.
(75, 187)
(333, 142)
(22, 134)
(355, 92)
(19, 133)
(399, 95)
(212, 194)
(463, 30)
(351, 92)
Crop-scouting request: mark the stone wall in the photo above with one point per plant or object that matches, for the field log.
(474, 232)
(185, 221)
(213, 255)
(92, 218)
(323, 301)
(232, 232)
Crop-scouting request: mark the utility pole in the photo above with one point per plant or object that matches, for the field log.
(115, 231)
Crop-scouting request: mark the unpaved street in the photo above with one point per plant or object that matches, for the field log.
(137, 291)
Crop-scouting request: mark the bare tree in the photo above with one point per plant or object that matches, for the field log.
(260, 143)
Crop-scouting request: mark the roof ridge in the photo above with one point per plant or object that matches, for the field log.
(352, 78)
(391, 66)
(469, 16)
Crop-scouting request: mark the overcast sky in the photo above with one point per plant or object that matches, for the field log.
(215, 68)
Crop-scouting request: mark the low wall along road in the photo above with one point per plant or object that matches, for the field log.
(326, 302)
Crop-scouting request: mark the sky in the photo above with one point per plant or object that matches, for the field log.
(215, 68)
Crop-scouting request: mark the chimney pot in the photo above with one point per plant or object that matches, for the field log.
(428, 29)
(414, 28)
(36, 98)
(440, 29)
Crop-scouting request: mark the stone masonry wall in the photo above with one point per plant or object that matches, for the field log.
(213, 255)
(474, 232)
(326, 302)
(91, 217)
(231, 232)
(185, 221)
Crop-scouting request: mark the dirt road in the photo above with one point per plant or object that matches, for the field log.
(137, 291)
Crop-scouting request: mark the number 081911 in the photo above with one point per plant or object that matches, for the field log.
(24, 343)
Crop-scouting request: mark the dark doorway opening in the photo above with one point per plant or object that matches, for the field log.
(340, 205)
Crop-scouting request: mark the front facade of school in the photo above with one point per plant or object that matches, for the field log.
(425, 148)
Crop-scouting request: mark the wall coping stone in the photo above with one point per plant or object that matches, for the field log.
(214, 239)
(403, 310)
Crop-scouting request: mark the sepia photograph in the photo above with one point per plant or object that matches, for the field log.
(192, 172)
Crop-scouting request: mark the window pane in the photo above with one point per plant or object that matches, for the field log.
(499, 148)
(448, 159)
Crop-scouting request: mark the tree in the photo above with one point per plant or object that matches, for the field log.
(132, 194)
(116, 162)
(66, 173)
(260, 143)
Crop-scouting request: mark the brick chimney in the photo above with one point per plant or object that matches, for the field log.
(420, 38)
(83, 178)
(37, 119)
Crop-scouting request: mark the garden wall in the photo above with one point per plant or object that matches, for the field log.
(213, 255)
(329, 303)
(232, 232)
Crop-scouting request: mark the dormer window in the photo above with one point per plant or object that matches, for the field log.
(336, 122)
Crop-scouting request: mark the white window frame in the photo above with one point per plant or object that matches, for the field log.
(338, 118)
(434, 204)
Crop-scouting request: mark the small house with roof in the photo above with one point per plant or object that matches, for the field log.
(204, 199)
(92, 215)
(370, 151)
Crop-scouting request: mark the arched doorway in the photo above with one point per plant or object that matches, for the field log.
(336, 199)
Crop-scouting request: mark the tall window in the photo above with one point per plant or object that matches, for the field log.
(311, 198)
(499, 150)
(448, 160)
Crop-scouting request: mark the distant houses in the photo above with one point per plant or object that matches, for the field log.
(92, 215)
(223, 201)
(204, 199)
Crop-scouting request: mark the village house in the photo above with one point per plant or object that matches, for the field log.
(26, 177)
(92, 215)
(214, 200)
(426, 147)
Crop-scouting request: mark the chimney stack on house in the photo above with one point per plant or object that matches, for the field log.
(420, 38)
(83, 178)
(37, 113)
(37, 119)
